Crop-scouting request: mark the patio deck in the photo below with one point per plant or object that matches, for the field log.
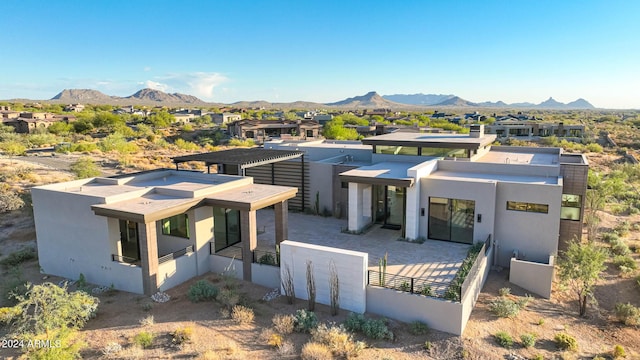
(434, 261)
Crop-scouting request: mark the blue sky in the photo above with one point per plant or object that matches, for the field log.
(325, 51)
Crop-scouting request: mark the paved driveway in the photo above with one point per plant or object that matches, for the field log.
(434, 261)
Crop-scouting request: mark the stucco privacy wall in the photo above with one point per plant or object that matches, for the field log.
(265, 275)
(220, 264)
(64, 224)
(321, 185)
(535, 277)
(174, 272)
(351, 267)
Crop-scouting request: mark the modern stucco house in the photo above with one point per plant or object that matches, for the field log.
(453, 187)
(150, 231)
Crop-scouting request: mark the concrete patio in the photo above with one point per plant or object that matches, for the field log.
(433, 261)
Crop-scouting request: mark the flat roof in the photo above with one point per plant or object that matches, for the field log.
(245, 158)
(461, 141)
(525, 158)
(486, 177)
(384, 173)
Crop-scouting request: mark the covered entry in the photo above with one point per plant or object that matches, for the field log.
(377, 194)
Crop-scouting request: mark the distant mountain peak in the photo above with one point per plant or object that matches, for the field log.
(369, 100)
(80, 95)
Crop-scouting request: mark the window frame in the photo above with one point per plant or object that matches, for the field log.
(171, 224)
(527, 207)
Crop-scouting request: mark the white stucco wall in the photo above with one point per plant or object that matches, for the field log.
(359, 206)
(219, 264)
(351, 267)
(202, 227)
(531, 276)
(174, 272)
(412, 210)
(265, 275)
(321, 183)
(73, 240)
(483, 192)
(533, 235)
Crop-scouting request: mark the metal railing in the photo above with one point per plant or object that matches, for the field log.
(233, 251)
(267, 257)
(175, 254)
(406, 283)
(125, 259)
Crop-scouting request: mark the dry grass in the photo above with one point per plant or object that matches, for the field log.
(283, 323)
(242, 314)
(316, 351)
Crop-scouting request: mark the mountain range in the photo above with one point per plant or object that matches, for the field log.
(367, 101)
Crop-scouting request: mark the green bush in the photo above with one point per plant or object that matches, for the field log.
(186, 145)
(618, 352)
(627, 314)
(16, 258)
(565, 341)
(85, 167)
(504, 307)
(354, 322)
(622, 229)
(10, 201)
(182, 335)
(376, 329)
(144, 339)
(625, 263)
(202, 290)
(427, 291)
(528, 340)
(620, 248)
(610, 237)
(453, 291)
(504, 339)
(305, 321)
(418, 328)
(504, 291)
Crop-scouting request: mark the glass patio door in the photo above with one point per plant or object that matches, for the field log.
(389, 203)
(451, 219)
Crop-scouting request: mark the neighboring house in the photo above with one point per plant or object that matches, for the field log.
(74, 108)
(511, 127)
(150, 231)
(27, 122)
(264, 130)
(224, 118)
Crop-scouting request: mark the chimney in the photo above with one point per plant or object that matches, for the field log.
(476, 131)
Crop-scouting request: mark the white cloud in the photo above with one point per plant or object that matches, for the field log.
(200, 84)
(147, 68)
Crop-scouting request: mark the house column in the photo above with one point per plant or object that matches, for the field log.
(282, 221)
(359, 206)
(148, 239)
(412, 212)
(249, 238)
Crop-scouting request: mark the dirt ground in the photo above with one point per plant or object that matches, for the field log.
(218, 337)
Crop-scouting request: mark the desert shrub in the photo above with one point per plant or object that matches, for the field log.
(7, 314)
(274, 340)
(610, 237)
(69, 349)
(625, 263)
(565, 341)
(541, 321)
(10, 201)
(202, 290)
(305, 321)
(337, 339)
(594, 147)
(453, 291)
(504, 307)
(144, 339)
(267, 259)
(16, 258)
(182, 335)
(147, 320)
(376, 329)
(286, 349)
(504, 291)
(316, 351)
(528, 340)
(538, 357)
(186, 145)
(85, 167)
(427, 291)
(627, 314)
(242, 314)
(622, 229)
(618, 352)
(242, 143)
(112, 350)
(620, 248)
(418, 328)
(228, 297)
(284, 324)
(504, 339)
(354, 322)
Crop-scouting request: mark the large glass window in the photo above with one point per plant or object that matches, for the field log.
(528, 207)
(129, 245)
(177, 225)
(451, 219)
(226, 227)
(571, 206)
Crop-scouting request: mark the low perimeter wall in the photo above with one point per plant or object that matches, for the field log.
(265, 275)
(219, 264)
(351, 267)
(439, 314)
(176, 271)
(532, 276)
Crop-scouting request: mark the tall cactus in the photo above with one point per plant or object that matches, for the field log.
(382, 269)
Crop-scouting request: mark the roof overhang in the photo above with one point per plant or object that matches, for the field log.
(245, 158)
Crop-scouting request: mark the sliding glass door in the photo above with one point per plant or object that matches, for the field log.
(451, 219)
(389, 203)
(226, 227)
